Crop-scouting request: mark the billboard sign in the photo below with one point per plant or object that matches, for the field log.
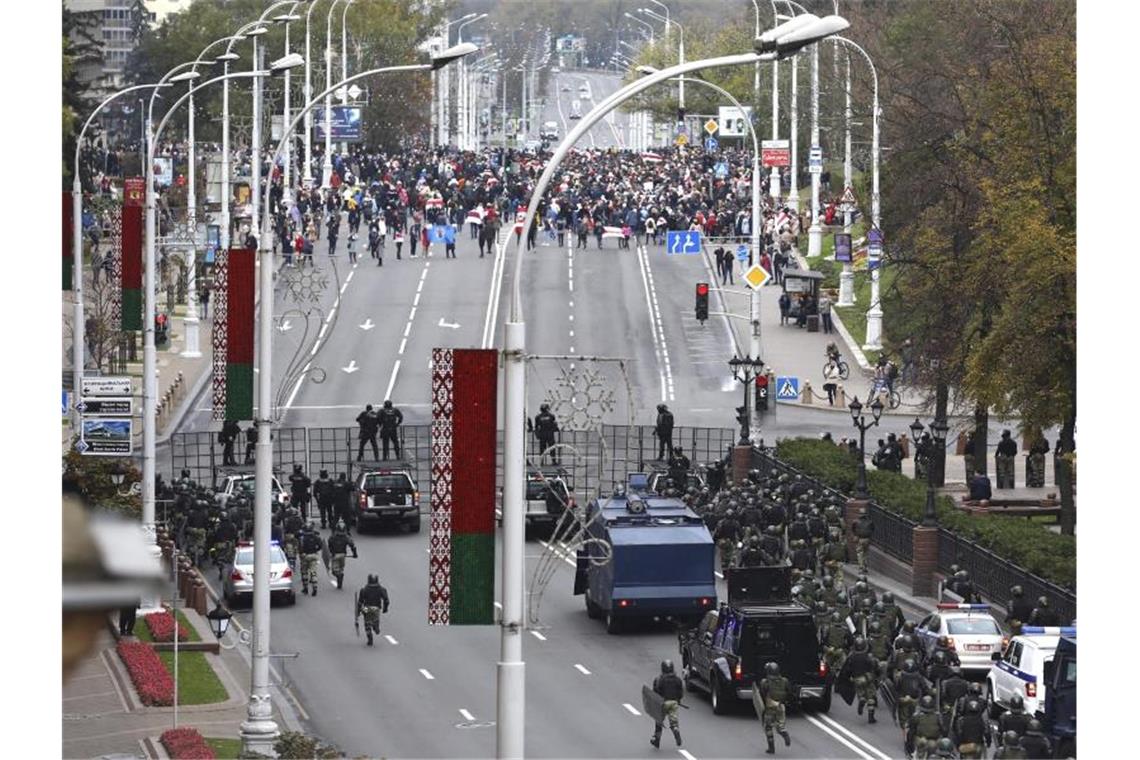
(164, 170)
(346, 123)
(843, 247)
(734, 121)
(775, 153)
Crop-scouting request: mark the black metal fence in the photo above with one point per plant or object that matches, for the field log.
(894, 534)
(594, 460)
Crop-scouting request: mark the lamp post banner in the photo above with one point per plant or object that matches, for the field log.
(240, 328)
(68, 232)
(219, 336)
(131, 254)
(461, 564)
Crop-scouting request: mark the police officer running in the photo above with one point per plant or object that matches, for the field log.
(669, 686)
(311, 547)
(545, 426)
(774, 691)
(863, 529)
(338, 544)
(924, 729)
(390, 420)
(664, 431)
(371, 601)
(970, 731)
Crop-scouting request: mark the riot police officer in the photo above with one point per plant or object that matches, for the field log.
(545, 426)
(679, 469)
(1011, 748)
(726, 537)
(370, 602)
(671, 689)
(837, 638)
(910, 687)
(892, 615)
(924, 729)
(390, 420)
(1034, 741)
(664, 431)
(323, 492)
(299, 484)
(774, 691)
(369, 423)
(941, 660)
(970, 730)
(338, 544)
(862, 670)
(1015, 719)
(227, 436)
(222, 543)
(863, 529)
(342, 502)
(953, 688)
(312, 545)
(1043, 614)
(1019, 610)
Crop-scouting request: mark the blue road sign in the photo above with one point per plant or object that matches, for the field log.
(721, 170)
(787, 388)
(66, 404)
(711, 144)
(682, 241)
(742, 253)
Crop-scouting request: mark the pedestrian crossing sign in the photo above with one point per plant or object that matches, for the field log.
(787, 388)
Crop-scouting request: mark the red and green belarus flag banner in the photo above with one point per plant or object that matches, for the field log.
(462, 563)
(239, 334)
(130, 249)
(68, 233)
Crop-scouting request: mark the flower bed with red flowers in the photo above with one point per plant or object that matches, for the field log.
(186, 744)
(152, 680)
(161, 627)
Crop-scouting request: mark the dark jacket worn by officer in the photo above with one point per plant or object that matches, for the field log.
(1034, 741)
(372, 595)
(340, 543)
(323, 493)
(664, 431)
(671, 689)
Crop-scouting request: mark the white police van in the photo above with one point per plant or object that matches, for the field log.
(1020, 668)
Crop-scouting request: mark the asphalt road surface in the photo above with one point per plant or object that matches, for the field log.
(565, 89)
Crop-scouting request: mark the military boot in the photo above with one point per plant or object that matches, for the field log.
(787, 739)
(305, 589)
(370, 638)
(315, 584)
(859, 709)
(771, 746)
(677, 736)
(656, 741)
(871, 715)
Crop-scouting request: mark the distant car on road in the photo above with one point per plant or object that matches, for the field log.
(584, 91)
(549, 130)
(243, 482)
(532, 146)
(238, 583)
(565, 88)
(388, 496)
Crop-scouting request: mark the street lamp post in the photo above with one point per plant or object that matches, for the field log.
(510, 726)
(863, 426)
(680, 56)
(79, 328)
(847, 276)
(462, 112)
(344, 60)
(646, 24)
(326, 167)
(744, 371)
(938, 430)
(308, 96)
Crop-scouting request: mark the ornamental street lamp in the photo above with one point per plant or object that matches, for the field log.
(219, 618)
(744, 371)
(863, 426)
(938, 430)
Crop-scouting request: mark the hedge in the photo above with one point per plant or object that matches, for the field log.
(1022, 542)
(152, 680)
(186, 744)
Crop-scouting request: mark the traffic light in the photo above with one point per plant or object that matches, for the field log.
(702, 301)
(761, 393)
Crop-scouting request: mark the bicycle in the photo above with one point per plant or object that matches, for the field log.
(839, 364)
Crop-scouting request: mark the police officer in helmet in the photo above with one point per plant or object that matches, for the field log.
(671, 689)
(370, 602)
(545, 426)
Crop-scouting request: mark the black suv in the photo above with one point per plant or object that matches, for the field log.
(727, 651)
(388, 497)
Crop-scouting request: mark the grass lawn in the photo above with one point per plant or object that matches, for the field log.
(197, 684)
(225, 749)
(142, 633)
(855, 317)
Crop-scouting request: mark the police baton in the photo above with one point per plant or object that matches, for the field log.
(356, 609)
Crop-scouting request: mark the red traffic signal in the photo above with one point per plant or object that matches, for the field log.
(702, 289)
(702, 306)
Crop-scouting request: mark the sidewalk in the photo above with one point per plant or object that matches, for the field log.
(103, 716)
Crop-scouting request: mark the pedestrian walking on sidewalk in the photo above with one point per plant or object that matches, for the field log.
(825, 314)
(785, 306)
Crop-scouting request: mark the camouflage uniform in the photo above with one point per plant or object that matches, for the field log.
(774, 692)
(926, 730)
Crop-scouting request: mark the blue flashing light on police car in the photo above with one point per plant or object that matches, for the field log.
(1049, 630)
(969, 607)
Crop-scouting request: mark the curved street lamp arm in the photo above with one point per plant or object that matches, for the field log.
(94, 113)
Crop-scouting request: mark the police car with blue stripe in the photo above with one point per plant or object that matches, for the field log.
(1020, 667)
(973, 633)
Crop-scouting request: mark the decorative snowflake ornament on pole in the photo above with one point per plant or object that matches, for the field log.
(580, 398)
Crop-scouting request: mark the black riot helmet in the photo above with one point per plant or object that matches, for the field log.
(387, 403)
(1010, 739)
(296, 468)
(888, 598)
(945, 747)
(927, 702)
(544, 408)
(666, 667)
(373, 579)
(662, 408)
(1033, 727)
(909, 665)
(1017, 591)
(772, 669)
(860, 644)
(1016, 703)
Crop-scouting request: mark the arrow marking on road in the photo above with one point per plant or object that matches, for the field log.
(350, 368)
(391, 640)
(368, 325)
(581, 669)
(426, 674)
(285, 326)
(632, 710)
(453, 326)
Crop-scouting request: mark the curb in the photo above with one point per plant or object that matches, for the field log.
(836, 321)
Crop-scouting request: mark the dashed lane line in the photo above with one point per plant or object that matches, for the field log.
(581, 669)
(631, 709)
(853, 736)
(392, 379)
(426, 674)
(391, 640)
(466, 715)
(538, 635)
(686, 754)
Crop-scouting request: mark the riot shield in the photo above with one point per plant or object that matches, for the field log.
(653, 704)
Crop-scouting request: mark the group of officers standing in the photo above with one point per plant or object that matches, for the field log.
(865, 640)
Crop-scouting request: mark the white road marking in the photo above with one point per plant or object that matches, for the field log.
(657, 341)
(407, 329)
(392, 379)
(426, 674)
(823, 727)
(412, 314)
(416, 300)
(466, 715)
(343, 286)
(581, 669)
(571, 317)
(330, 316)
(420, 286)
(853, 736)
(686, 754)
(403, 342)
(324, 329)
(391, 640)
(632, 710)
(493, 294)
(538, 635)
(350, 276)
(351, 367)
(571, 333)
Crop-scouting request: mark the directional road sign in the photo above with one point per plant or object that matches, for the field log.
(815, 160)
(105, 436)
(742, 253)
(711, 144)
(756, 276)
(787, 388)
(106, 386)
(66, 403)
(105, 407)
(682, 241)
